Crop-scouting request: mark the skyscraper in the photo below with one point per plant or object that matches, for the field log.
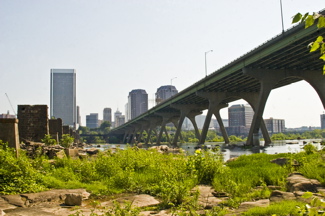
(137, 102)
(274, 125)
(240, 118)
(107, 114)
(63, 95)
(92, 120)
(165, 92)
(322, 121)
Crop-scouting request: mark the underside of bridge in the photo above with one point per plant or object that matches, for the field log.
(283, 60)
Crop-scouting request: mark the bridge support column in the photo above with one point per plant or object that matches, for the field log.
(215, 104)
(166, 118)
(152, 124)
(189, 111)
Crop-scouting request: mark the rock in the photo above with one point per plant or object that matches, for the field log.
(92, 151)
(280, 161)
(73, 199)
(160, 213)
(144, 200)
(4, 205)
(258, 203)
(14, 200)
(61, 154)
(206, 197)
(72, 152)
(2, 213)
(281, 195)
(273, 187)
(297, 182)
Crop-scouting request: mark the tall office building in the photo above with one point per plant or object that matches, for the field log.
(119, 120)
(274, 125)
(240, 119)
(63, 95)
(117, 114)
(165, 92)
(107, 114)
(322, 121)
(137, 102)
(78, 116)
(92, 120)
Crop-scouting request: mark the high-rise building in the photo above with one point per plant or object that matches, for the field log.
(274, 125)
(137, 102)
(107, 114)
(165, 92)
(78, 116)
(240, 118)
(119, 120)
(117, 114)
(63, 96)
(322, 121)
(92, 120)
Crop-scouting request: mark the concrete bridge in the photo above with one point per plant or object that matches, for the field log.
(283, 60)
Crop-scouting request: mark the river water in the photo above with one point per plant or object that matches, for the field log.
(235, 150)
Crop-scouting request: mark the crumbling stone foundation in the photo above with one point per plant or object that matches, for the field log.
(33, 122)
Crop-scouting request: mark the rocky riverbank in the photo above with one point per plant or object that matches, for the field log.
(79, 201)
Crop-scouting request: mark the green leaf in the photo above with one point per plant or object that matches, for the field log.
(296, 18)
(304, 17)
(316, 44)
(324, 70)
(309, 21)
(321, 22)
(322, 57)
(322, 49)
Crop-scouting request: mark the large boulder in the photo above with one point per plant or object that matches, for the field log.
(297, 182)
(73, 199)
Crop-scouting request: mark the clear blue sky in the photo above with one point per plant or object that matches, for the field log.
(119, 45)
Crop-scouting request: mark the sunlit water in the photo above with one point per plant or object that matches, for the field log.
(234, 150)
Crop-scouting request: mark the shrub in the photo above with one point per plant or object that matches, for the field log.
(47, 140)
(66, 140)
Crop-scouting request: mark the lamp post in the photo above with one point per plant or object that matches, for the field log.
(205, 55)
(171, 80)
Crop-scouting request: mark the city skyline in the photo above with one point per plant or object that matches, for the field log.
(117, 46)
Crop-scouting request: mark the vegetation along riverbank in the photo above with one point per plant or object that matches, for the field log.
(173, 179)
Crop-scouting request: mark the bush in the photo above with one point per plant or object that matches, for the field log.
(66, 140)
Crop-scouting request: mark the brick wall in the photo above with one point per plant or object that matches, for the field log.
(33, 122)
(55, 128)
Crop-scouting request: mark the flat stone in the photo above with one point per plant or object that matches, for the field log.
(258, 203)
(14, 200)
(159, 213)
(206, 197)
(281, 195)
(297, 182)
(4, 205)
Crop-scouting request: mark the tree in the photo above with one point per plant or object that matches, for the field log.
(319, 43)
(105, 127)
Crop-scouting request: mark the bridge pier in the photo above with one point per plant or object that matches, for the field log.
(166, 118)
(152, 124)
(268, 79)
(189, 111)
(215, 105)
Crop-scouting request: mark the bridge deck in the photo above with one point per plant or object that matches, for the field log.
(287, 51)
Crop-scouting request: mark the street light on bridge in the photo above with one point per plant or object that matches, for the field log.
(205, 55)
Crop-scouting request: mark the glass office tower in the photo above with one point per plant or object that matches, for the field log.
(63, 96)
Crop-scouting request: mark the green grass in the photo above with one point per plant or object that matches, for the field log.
(170, 177)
